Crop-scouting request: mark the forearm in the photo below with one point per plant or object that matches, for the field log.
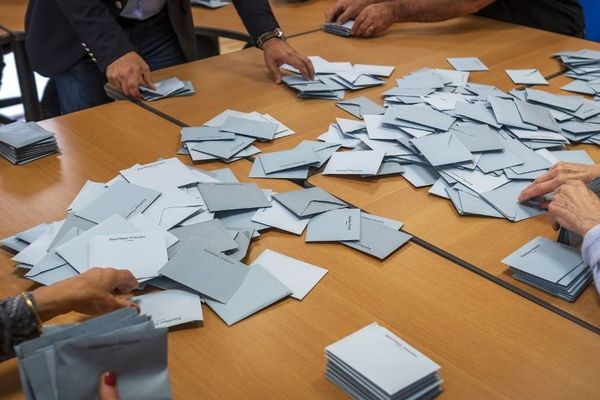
(256, 15)
(18, 322)
(434, 10)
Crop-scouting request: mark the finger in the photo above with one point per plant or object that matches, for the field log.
(147, 78)
(538, 189)
(273, 68)
(555, 226)
(357, 28)
(345, 16)
(107, 388)
(363, 30)
(124, 281)
(299, 63)
(309, 65)
(124, 88)
(116, 303)
(133, 84)
(333, 12)
(544, 204)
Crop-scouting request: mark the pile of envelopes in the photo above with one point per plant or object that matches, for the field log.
(584, 67)
(474, 144)
(170, 87)
(344, 29)
(186, 231)
(550, 266)
(67, 361)
(373, 363)
(22, 142)
(332, 79)
(230, 136)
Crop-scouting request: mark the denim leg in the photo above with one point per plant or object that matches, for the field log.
(81, 87)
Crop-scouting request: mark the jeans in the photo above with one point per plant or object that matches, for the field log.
(82, 86)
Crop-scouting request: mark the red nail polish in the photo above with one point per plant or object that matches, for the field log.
(110, 379)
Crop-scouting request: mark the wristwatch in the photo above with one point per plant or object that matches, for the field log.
(275, 33)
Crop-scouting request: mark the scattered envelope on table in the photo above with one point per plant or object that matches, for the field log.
(307, 202)
(212, 233)
(172, 207)
(287, 159)
(169, 172)
(334, 226)
(280, 217)
(170, 307)
(213, 274)
(222, 148)
(467, 64)
(142, 253)
(365, 162)
(264, 130)
(202, 133)
(232, 196)
(361, 106)
(300, 277)
(259, 290)
(379, 236)
(526, 77)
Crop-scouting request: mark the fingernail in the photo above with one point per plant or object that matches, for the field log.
(110, 379)
(135, 307)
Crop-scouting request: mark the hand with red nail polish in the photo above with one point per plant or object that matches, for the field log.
(107, 389)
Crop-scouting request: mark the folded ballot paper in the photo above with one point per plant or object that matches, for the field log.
(474, 144)
(332, 79)
(22, 142)
(230, 135)
(170, 87)
(344, 29)
(67, 363)
(550, 266)
(373, 363)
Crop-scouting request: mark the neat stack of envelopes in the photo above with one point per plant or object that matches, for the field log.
(553, 267)
(210, 3)
(344, 29)
(22, 142)
(294, 163)
(373, 363)
(171, 87)
(67, 362)
(476, 145)
(584, 67)
(332, 79)
(229, 136)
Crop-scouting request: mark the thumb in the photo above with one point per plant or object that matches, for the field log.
(107, 389)
(118, 303)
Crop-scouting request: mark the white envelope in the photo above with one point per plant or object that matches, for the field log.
(172, 207)
(169, 172)
(354, 163)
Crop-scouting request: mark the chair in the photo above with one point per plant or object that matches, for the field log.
(591, 13)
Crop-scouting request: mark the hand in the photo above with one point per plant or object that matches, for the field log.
(128, 72)
(107, 388)
(575, 208)
(559, 174)
(278, 52)
(343, 10)
(88, 293)
(374, 20)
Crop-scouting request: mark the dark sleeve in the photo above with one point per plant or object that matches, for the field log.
(257, 16)
(17, 324)
(98, 29)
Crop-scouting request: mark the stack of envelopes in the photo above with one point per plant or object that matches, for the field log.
(332, 79)
(229, 136)
(584, 67)
(66, 362)
(550, 266)
(344, 29)
(474, 144)
(170, 87)
(22, 142)
(186, 231)
(294, 163)
(210, 3)
(373, 363)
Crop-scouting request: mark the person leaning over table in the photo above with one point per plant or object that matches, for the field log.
(573, 206)
(373, 17)
(85, 43)
(21, 316)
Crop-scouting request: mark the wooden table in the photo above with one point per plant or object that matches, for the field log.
(294, 17)
(12, 14)
(489, 342)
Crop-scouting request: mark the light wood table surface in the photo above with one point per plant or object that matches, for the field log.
(294, 17)
(12, 14)
(489, 342)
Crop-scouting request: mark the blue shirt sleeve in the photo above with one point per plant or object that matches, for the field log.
(590, 250)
